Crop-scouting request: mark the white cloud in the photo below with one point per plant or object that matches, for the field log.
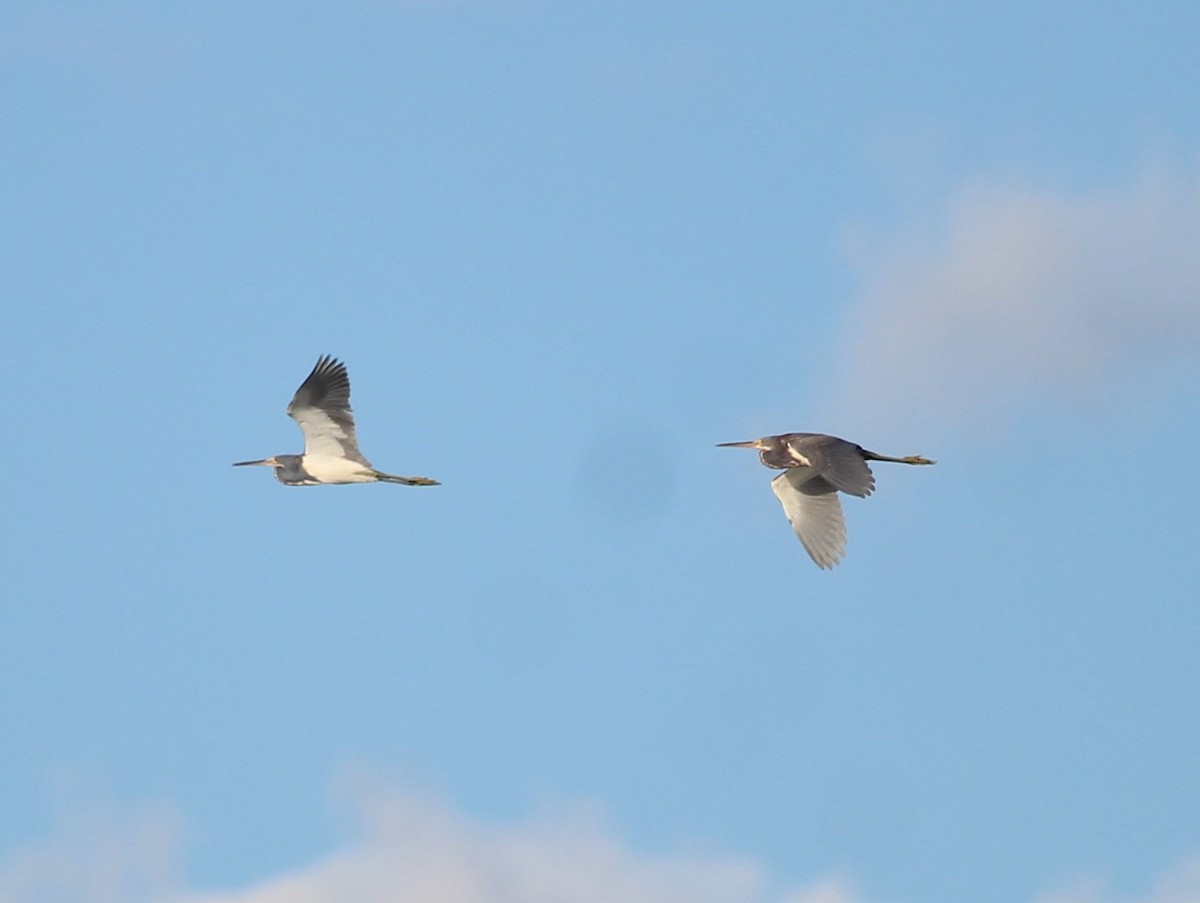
(1181, 885)
(96, 857)
(409, 848)
(413, 849)
(406, 848)
(1022, 295)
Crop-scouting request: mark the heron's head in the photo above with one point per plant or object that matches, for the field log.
(265, 462)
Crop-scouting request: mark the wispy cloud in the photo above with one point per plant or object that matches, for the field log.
(96, 856)
(1017, 295)
(1180, 885)
(414, 849)
(408, 847)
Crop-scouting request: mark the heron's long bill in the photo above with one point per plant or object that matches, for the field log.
(266, 462)
(753, 443)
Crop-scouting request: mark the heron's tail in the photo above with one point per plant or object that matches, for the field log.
(907, 459)
(407, 481)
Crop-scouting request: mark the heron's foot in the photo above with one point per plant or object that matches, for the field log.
(415, 481)
(917, 459)
(406, 481)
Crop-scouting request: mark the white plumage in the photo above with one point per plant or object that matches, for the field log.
(322, 408)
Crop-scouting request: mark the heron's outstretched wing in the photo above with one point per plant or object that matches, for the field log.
(322, 408)
(812, 508)
(840, 462)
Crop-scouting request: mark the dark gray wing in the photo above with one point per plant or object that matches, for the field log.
(322, 408)
(840, 462)
(813, 510)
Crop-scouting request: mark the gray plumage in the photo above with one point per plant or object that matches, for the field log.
(816, 467)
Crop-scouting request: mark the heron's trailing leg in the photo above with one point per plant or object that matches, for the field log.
(907, 459)
(407, 481)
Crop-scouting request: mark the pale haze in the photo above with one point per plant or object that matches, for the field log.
(1018, 294)
(565, 249)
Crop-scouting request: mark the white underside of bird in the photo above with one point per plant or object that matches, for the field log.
(336, 469)
(815, 513)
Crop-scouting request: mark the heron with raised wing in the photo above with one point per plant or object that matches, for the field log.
(322, 408)
(815, 469)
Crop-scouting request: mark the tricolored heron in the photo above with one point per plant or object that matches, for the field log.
(815, 468)
(322, 408)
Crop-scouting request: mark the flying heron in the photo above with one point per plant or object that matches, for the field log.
(815, 468)
(322, 408)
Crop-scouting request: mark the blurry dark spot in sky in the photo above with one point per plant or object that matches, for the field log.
(626, 474)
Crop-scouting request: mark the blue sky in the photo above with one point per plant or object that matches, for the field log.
(565, 249)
